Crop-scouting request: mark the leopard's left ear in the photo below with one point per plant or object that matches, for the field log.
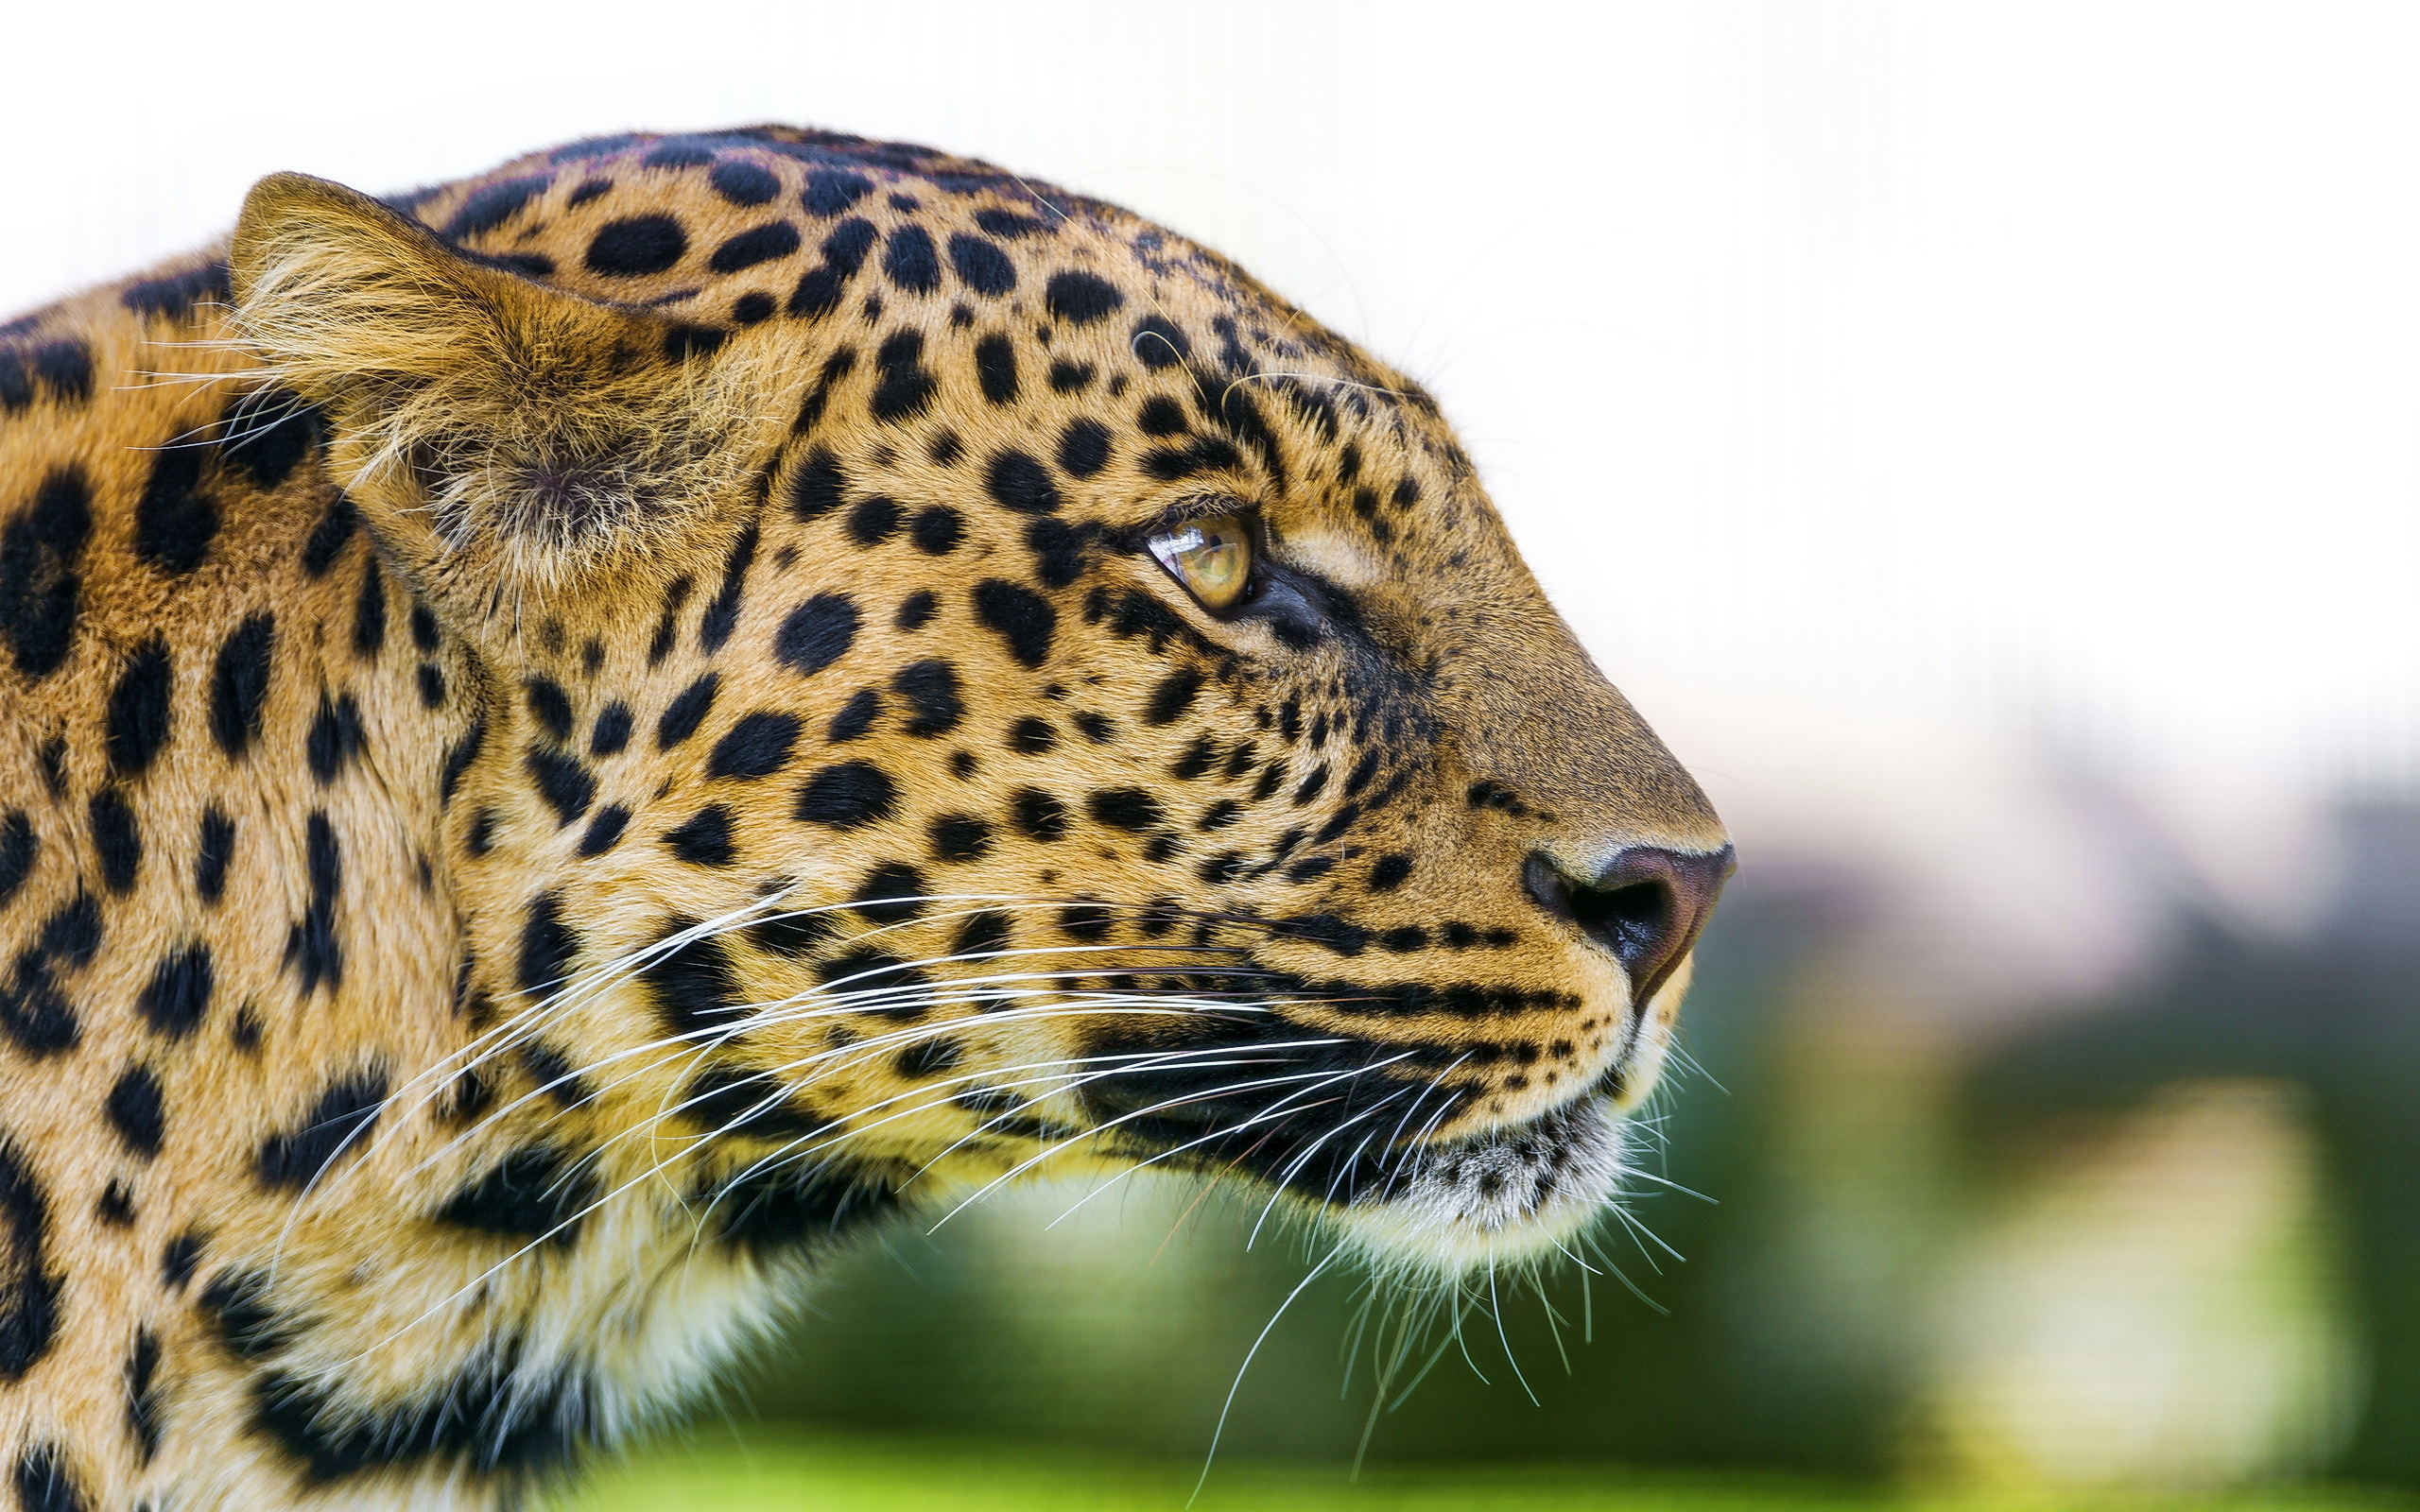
(493, 430)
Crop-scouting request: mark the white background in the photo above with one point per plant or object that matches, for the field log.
(1912, 406)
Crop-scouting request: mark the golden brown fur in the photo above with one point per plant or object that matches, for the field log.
(639, 673)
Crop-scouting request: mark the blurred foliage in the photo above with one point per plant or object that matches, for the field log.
(822, 1473)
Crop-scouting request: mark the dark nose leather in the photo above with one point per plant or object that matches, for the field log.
(1646, 907)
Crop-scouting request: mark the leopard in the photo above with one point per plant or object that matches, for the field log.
(578, 740)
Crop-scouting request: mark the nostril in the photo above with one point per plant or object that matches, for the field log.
(1645, 907)
(1627, 920)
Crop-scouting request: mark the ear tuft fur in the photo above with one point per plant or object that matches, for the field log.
(530, 430)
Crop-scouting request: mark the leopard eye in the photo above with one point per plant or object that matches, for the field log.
(1211, 557)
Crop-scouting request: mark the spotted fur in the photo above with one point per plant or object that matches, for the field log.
(574, 738)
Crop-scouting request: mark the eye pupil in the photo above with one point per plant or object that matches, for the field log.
(1211, 557)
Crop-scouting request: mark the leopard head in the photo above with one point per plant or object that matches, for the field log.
(971, 683)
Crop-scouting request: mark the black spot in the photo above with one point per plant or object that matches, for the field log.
(604, 830)
(1084, 447)
(177, 998)
(873, 521)
(916, 609)
(1158, 343)
(138, 709)
(756, 747)
(744, 184)
(787, 1208)
(947, 449)
(761, 243)
(115, 1205)
(550, 706)
(703, 839)
(686, 712)
(64, 368)
(1310, 870)
(336, 738)
(818, 290)
(932, 689)
(137, 1113)
(937, 530)
(311, 944)
(1031, 735)
(1159, 416)
(535, 1194)
(34, 1013)
(829, 193)
(143, 1405)
(961, 838)
(268, 433)
(329, 536)
(817, 633)
(1080, 299)
(213, 851)
(1098, 728)
(495, 1418)
(28, 1288)
(18, 845)
(432, 686)
(567, 787)
(930, 1057)
(548, 945)
(751, 308)
(1039, 814)
(116, 840)
(1021, 617)
(1067, 377)
(1340, 935)
(727, 1100)
(1022, 484)
(1126, 808)
(996, 369)
(1174, 696)
(636, 247)
(490, 205)
(817, 487)
(846, 796)
(721, 616)
(682, 341)
(240, 683)
(903, 387)
(179, 1257)
(981, 934)
(1209, 455)
(909, 260)
(890, 893)
(1009, 226)
(39, 554)
(459, 758)
(174, 520)
(236, 1304)
(338, 1125)
(856, 717)
(45, 1484)
(1389, 871)
(982, 265)
(676, 593)
(613, 730)
(179, 292)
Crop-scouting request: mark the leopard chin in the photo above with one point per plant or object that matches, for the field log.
(1506, 1197)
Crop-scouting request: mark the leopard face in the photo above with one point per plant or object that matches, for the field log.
(971, 684)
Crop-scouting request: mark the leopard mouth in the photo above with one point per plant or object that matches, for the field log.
(1337, 1127)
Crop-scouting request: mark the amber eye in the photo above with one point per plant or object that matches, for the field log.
(1211, 557)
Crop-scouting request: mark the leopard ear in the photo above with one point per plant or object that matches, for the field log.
(493, 430)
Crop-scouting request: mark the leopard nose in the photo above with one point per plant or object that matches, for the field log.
(1645, 906)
